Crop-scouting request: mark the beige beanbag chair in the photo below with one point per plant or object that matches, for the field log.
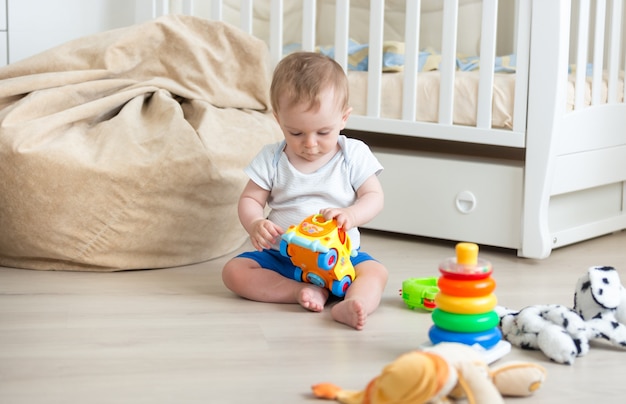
(126, 149)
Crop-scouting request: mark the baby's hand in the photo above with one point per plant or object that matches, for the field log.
(344, 217)
(264, 233)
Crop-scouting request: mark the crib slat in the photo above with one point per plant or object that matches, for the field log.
(448, 61)
(598, 53)
(581, 53)
(144, 10)
(177, 6)
(342, 24)
(184, 7)
(375, 61)
(487, 62)
(522, 52)
(308, 25)
(613, 61)
(247, 15)
(188, 8)
(162, 6)
(217, 10)
(411, 59)
(276, 31)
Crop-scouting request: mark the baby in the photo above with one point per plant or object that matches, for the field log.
(314, 169)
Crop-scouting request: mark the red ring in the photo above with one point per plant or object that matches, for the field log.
(473, 288)
(464, 276)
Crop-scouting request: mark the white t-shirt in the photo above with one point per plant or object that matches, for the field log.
(295, 195)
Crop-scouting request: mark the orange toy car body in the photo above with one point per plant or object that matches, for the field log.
(321, 252)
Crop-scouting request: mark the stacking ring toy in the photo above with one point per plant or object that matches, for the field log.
(465, 322)
(466, 305)
(466, 265)
(486, 339)
(454, 287)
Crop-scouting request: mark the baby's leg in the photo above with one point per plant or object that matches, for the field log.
(363, 296)
(246, 278)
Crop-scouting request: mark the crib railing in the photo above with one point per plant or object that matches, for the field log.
(597, 57)
(603, 35)
(482, 132)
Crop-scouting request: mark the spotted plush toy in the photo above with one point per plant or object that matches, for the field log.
(554, 329)
(600, 300)
(562, 333)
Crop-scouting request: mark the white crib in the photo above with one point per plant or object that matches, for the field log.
(531, 160)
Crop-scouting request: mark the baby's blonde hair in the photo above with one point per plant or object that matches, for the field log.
(303, 76)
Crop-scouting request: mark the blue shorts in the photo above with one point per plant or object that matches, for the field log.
(275, 261)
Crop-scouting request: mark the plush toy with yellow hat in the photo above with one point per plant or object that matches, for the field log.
(446, 370)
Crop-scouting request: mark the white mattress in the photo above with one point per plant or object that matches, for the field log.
(466, 94)
(465, 101)
(603, 94)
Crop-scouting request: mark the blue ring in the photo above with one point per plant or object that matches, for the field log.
(487, 339)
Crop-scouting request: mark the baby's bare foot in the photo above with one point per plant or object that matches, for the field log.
(350, 312)
(312, 298)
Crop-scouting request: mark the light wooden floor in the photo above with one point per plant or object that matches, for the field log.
(178, 336)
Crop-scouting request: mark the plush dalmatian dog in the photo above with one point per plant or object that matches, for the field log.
(562, 333)
(559, 332)
(600, 300)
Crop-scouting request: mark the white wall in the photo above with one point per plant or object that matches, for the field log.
(36, 25)
(3, 32)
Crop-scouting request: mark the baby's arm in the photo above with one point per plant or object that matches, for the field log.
(252, 216)
(369, 202)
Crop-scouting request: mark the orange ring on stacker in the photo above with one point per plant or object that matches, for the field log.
(466, 305)
(455, 287)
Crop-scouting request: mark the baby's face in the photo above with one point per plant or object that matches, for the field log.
(311, 134)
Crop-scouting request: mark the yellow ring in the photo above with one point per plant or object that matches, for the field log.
(455, 287)
(466, 305)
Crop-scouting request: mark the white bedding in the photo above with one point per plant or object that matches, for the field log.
(604, 92)
(466, 94)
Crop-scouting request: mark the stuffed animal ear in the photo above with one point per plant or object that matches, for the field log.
(518, 379)
(414, 377)
(476, 383)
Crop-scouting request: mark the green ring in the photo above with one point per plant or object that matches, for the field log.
(465, 322)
